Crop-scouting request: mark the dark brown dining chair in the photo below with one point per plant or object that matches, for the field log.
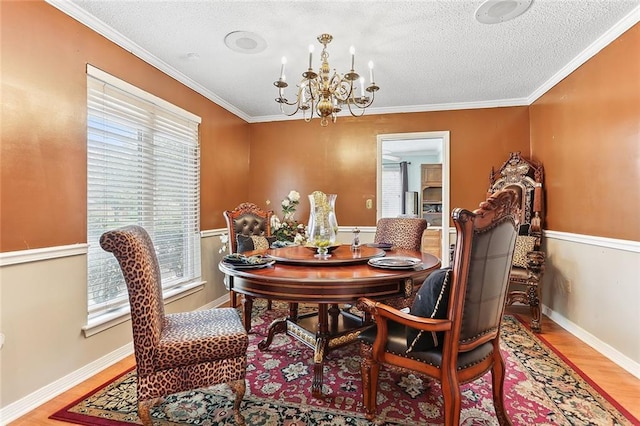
(175, 352)
(249, 228)
(526, 177)
(452, 333)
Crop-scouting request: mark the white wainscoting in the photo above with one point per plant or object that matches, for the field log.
(591, 289)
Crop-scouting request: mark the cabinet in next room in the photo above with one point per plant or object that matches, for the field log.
(432, 193)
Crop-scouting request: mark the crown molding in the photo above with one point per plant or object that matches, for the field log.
(609, 36)
(90, 21)
(80, 15)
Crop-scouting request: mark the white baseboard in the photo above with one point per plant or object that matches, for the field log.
(21, 407)
(611, 353)
(30, 402)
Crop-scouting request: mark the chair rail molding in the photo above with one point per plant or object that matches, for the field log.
(626, 245)
(35, 255)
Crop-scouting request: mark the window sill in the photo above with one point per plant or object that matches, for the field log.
(118, 316)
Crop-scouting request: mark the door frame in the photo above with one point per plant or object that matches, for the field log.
(446, 166)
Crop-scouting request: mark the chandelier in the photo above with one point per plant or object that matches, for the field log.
(327, 94)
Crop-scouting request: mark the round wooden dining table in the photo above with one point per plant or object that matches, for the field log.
(296, 275)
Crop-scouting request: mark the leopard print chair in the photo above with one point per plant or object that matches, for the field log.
(175, 352)
(401, 232)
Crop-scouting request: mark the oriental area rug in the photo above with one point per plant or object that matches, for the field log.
(540, 389)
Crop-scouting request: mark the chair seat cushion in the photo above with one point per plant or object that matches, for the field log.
(201, 336)
(431, 301)
(246, 243)
(397, 344)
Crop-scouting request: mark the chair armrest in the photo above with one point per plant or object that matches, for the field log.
(382, 312)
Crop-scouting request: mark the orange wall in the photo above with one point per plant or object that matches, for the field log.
(43, 146)
(341, 158)
(586, 132)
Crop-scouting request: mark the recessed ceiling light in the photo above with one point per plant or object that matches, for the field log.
(245, 42)
(496, 11)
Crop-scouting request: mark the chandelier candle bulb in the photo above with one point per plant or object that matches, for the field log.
(310, 54)
(284, 61)
(371, 71)
(352, 50)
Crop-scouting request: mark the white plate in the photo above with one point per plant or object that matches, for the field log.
(395, 262)
(250, 265)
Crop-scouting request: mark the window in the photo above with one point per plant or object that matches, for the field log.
(143, 167)
(391, 190)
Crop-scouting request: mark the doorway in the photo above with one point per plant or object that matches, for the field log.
(417, 149)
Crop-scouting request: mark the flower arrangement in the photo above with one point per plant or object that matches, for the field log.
(288, 229)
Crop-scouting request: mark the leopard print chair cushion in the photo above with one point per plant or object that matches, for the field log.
(200, 336)
(401, 232)
(174, 352)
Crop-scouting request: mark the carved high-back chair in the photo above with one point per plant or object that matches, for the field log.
(526, 177)
(175, 352)
(463, 306)
(249, 221)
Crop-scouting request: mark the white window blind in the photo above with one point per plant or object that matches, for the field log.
(391, 190)
(143, 167)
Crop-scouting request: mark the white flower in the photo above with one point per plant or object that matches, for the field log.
(224, 240)
(294, 195)
(299, 239)
(275, 223)
(285, 202)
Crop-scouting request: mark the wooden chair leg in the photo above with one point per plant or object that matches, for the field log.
(232, 299)
(268, 304)
(497, 377)
(452, 398)
(239, 387)
(370, 371)
(144, 410)
(533, 295)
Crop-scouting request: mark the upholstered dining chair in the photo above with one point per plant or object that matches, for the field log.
(404, 233)
(175, 352)
(401, 232)
(248, 227)
(452, 333)
(526, 177)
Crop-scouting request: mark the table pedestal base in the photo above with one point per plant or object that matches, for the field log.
(323, 331)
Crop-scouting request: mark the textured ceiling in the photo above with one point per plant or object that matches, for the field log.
(428, 55)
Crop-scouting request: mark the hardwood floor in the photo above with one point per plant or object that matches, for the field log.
(619, 384)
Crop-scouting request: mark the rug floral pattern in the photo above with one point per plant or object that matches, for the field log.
(540, 389)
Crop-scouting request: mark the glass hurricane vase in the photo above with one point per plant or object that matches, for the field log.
(323, 225)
